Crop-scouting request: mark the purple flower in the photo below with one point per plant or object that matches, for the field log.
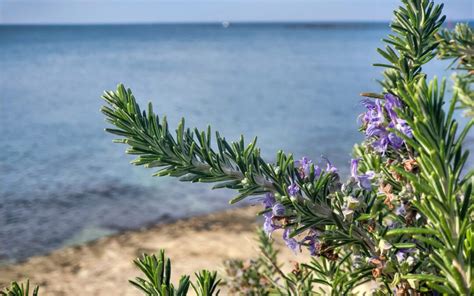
(368, 103)
(312, 239)
(403, 127)
(376, 130)
(278, 210)
(402, 254)
(364, 179)
(317, 171)
(374, 114)
(305, 167)
(381, 145)
(268, 225)
(289, 241)
(395, 141)
(354, 167)
(400, 210)
(268, 200)
(330, 168)
(293, 189)
(374, 118)
(392, 102)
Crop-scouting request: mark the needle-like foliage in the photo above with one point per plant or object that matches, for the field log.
(458, 45)
(207, 283)
(157, 281)
(21, 289)
(442, 194)
(403, 220)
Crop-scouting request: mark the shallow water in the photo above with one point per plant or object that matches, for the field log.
(63, 181)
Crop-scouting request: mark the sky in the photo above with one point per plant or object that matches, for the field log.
(177, 11)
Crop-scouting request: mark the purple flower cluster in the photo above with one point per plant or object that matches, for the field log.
(272, 221)
(304, 167)
(271, 218)
(275, 216)
(269, 202)
(378, 125)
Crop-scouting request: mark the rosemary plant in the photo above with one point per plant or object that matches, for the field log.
(404, 217)
(402, 220)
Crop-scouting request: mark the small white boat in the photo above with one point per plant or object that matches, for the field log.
(225, 24)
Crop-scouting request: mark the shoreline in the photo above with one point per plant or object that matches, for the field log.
(103, 265)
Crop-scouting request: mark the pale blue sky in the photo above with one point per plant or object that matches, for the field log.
(155, 11)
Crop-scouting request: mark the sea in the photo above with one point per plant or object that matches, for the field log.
(63, 182)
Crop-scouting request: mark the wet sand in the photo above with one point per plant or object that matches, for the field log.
(104, 266)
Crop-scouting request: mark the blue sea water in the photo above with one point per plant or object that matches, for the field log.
(63, 182)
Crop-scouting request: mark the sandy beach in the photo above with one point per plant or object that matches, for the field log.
(105, 265)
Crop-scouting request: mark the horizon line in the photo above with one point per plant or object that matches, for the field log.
(239, 22)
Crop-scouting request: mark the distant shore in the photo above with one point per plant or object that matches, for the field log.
(105, 265)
